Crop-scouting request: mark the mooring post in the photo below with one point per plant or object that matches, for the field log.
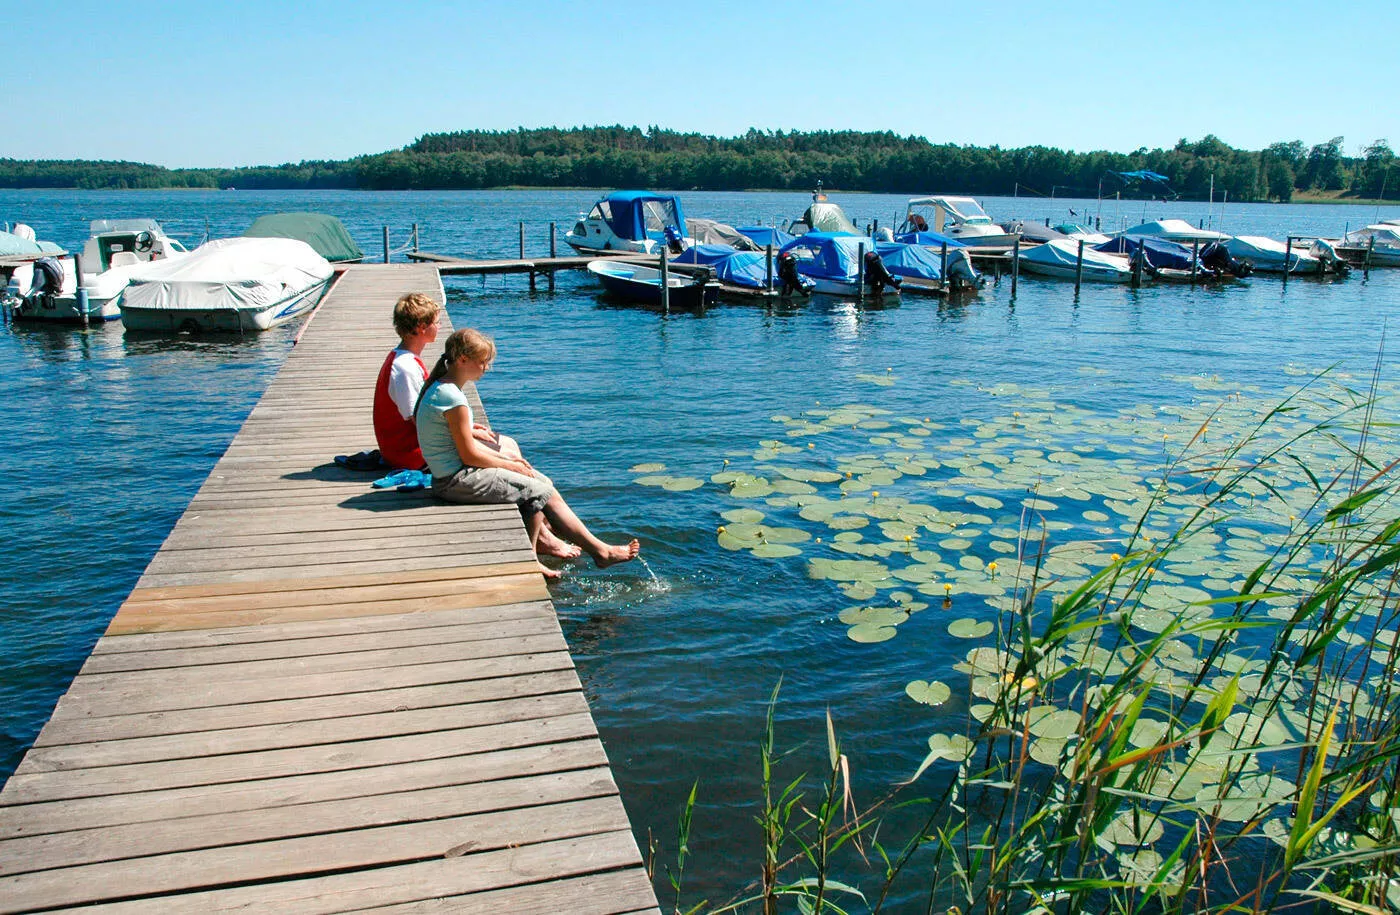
(665, 283)
(1079, 267)
(943, 265)
(1195, 257)
(80, 295)
(522, 241)
(1287, 258)
(768, 268)
(415, 238)
(1015, 264)
(553, 253)
(1047, 222)
(860, 272)
(1136, 276)
(386, 244)
(1370, 249)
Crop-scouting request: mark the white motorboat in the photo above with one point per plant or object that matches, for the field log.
(1059, 259)
(639, 221)
(961, 218)
(114, 250)
(1177, 230)
(1379, 244)
(233, 284)
(1270, 256)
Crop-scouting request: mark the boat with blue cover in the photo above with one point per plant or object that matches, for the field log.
(732, 267)
(642, 284)
(639, 221)
(831, 260)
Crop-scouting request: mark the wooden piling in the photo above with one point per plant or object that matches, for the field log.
(1015, 265)
(1370, 249)
(1195, 257)
(80, 296)
(665, 282)
(1079, 267)
(522, 241)
(768, 268)
(553, 251)
(386, 244)
(860, 272)
(1287, 258)
(415, 236)
(943, 264)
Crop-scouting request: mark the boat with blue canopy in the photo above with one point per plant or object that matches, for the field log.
(831, 260)
(640, 221)
(924, 268)
(732, 267)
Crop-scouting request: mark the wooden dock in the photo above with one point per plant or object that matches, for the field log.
(324, 698)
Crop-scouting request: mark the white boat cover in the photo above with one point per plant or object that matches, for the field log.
(710, 232)
(1175, 230)
(231, 274)
(1266, 251)
(1062, 252)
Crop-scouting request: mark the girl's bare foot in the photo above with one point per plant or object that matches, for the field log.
(549, 544)
(612, 554)
(548, 573)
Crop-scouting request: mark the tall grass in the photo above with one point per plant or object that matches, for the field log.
(1131, 749)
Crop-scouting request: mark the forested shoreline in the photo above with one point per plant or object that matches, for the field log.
(878, 162)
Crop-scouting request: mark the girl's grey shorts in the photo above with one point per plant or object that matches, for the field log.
(495, 486)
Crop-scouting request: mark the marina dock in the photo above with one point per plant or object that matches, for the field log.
(321, 697)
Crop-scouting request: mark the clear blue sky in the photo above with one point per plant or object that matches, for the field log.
(261, 82)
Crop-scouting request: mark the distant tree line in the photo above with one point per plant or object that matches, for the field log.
(880, 162)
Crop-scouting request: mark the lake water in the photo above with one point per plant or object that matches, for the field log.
(108, 436)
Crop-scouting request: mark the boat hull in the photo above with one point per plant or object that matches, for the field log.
(1382, 256)
(1092, 273)
(228, 320)
(63, 309)
(642, 285)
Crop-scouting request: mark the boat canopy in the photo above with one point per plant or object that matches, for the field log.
(325, 234)
(711, 232)
(11, 245)
(639, 215)
(828, 255)
(731, 266)
(1175, 230)
(1384, 234)
(1160, 253)
(828, 217)
(963, 209)
(230, 274)
(928, 239)
(763, 236)
(911, 260)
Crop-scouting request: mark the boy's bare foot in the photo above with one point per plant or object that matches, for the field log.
(612, 554)
(548, 573)
(549, 544)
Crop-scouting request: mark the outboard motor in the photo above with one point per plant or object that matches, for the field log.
(877, 275)
(1216, 259)
(48, 277)
(884, 234)
(787, 273)
(674, 242)
(1331, 260)
(961, 273)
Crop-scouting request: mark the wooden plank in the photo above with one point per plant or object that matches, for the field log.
(535, 865)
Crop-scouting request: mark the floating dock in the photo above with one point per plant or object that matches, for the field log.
(323, 698)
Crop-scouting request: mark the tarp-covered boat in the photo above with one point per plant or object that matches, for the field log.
(1160, 253)
(932, 240)
(232, 284)
(325, 234)
(732, 267)
(830, 259)
(763, 236)
(1271, 256)
(1178, 230)
(641, 221)
(24, 244)
(712, 232)
(925, 267)
(1059, 258)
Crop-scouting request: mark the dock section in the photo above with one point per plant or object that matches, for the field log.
(323, 698)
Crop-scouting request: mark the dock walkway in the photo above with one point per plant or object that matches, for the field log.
(321, 698)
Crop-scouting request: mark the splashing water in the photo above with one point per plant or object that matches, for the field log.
(656, 585)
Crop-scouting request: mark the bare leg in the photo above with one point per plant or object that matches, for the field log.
(533, 525)
(548, 543)
(568, 525)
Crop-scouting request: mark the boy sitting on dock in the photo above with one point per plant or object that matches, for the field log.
(400, 381)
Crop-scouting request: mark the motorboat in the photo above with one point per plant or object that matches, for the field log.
(642, 284)
(232, 284)
(1060, 258)
(1171, 262)
(326, 235)
(921, 270)
(114, 250)
(822, 216)
(1177, 230)
(1075, 232)
(831, 260)
(1267, 255)
(643, 222)
(1378, 244)
(957, 217)
(713, 232)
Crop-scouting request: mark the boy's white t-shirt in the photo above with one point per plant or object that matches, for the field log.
(405, 381)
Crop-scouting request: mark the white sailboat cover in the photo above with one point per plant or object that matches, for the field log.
(1175, 230)
(1262, 250)
(242, 274)
(1061, 252)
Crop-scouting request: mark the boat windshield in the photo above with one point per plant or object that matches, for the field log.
(967, 210)
(103, 226)
(659, 214)
(601, 210)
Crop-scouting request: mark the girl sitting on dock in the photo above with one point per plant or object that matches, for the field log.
(467, 470)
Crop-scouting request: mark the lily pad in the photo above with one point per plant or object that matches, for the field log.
(682, 484)
(646, 468)
(870, 633)
(930, 692)
(969, 628)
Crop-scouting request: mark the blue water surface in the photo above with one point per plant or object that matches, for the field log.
(108, 436)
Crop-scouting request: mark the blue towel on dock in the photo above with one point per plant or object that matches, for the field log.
(404, 481)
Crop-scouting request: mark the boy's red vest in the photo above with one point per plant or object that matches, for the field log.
(397, 437)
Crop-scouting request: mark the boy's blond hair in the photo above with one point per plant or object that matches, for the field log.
(413, 311)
